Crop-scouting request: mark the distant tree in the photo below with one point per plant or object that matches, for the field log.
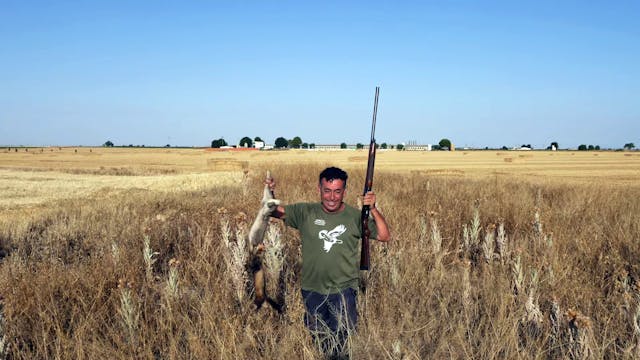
(218, 143)
(108, 143)
(582, 147)
(505, 148)
(383, 146)
(343, 146)
(555, 144)
(591, 147)
(400, 147)
(246, 142)
(629, 146)
(168, 145)
(295, 142)
(445, 143)
(597, 147)
(257, 138)
(305, 145)
(281, 143)
(312, 146)
(435, 147)
(359, 146)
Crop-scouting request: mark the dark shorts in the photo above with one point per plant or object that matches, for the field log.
(334, 312)
(330, 320)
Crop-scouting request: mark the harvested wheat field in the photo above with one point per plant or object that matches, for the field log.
(113, 253)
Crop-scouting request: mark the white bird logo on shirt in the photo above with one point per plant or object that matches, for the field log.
(331, 237)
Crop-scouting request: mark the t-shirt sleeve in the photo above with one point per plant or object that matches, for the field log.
(293, 214)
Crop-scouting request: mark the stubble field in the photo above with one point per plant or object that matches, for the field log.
(138, 253)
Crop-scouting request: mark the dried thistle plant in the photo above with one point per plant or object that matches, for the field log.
(149, 258)
(466, 288)
(129, 312)
(436, 243)
(501, 243)
(556, 324)
(466, 239)
(396, 349)
(471, 245)
(517, 275)
(537, 224)
(474, 233)
(115, 254)
(206, 243)
(488, 244)
(225, 231)
(631, 308)
(635, 319)
(236, 257)
(4, 346)
(171, 288)
(424, 230)
(533, 315)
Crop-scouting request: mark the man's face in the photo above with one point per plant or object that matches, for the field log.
(331, 194)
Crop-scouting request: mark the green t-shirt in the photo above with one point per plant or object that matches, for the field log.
(330, 246)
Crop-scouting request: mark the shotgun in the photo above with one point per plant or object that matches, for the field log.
(368, 184)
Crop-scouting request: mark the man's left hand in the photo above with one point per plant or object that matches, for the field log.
(369, 199)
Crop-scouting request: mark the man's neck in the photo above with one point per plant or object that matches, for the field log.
(340, 209)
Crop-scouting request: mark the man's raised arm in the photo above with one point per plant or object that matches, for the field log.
(382, 227)
(279, 211)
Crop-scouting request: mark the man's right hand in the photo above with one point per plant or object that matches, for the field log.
(279, 210)
(271, 182)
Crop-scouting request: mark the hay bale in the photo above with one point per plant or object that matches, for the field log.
(358, 158)
(227, 164)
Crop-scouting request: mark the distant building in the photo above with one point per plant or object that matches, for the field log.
(258, 144)
(328, 147)
(416, 147)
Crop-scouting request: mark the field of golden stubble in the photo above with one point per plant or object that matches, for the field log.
(139, 253)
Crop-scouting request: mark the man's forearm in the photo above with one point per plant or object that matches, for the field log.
(381, 225)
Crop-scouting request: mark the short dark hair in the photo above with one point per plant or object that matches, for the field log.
(333, 173)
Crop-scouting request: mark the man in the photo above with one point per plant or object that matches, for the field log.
(330, 231)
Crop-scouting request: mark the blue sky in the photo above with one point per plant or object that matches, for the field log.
(481, 73)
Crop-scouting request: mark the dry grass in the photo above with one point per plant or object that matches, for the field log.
(559, 284)
(29, 187)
